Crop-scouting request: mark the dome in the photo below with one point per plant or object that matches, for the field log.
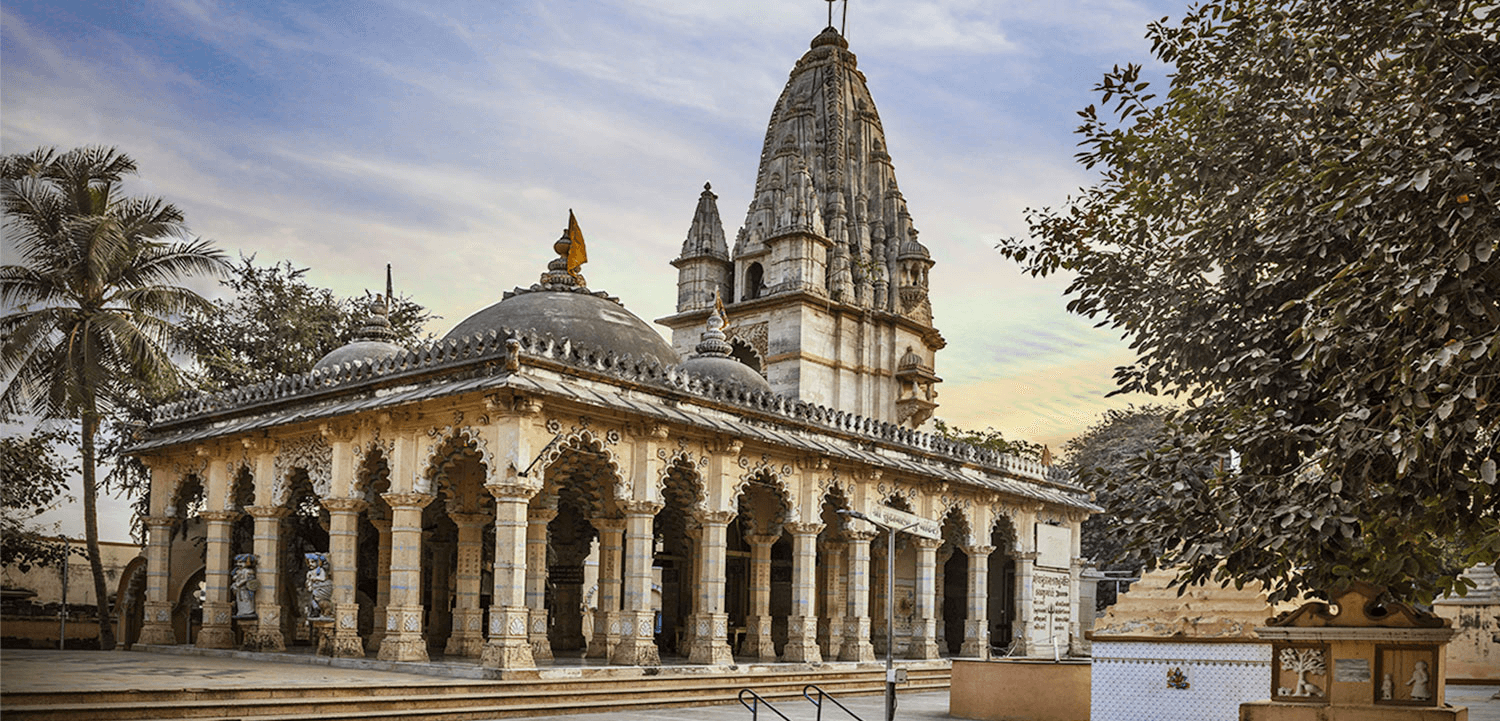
(358, 351)
(562, 306)
(712, 361)
(582, 317)
(373, 342)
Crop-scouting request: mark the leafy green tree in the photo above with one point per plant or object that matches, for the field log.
(92, 308)
(274, 323)
(36, 480)
(1299, 240)
(988, 438)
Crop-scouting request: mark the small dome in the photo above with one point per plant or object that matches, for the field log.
(913, 249)
(711, 359)
(358, 351)
(373, 342)
(582, 317)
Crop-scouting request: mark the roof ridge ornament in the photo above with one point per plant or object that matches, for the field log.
(377, 324)
(713, 342)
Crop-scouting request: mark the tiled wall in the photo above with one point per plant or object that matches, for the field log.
(1131, 680)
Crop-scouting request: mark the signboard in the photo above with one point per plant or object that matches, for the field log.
(892, 518)
(1054, 546)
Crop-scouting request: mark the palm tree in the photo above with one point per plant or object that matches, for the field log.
(90, 308)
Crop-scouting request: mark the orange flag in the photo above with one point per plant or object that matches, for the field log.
(577, 253)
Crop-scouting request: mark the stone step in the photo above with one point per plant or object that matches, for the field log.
(457, 702)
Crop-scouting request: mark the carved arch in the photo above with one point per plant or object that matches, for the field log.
(312, 454)
(361, 486)
(775, 476)
(586, 439)
(468, 435)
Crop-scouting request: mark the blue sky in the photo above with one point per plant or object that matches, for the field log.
(451, 139)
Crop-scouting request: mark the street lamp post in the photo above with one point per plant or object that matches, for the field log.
(890, 607)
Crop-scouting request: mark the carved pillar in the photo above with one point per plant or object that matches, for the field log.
(758, 642)
(1025, 595)
(404, 640)
(924, 630)
(217, 606)
(343, 537)
(508, 645)
(158, 625)
(711, 625)
(382, 582)
(607, 614)
(878, 598)
(802, 624)
(637, 645)
(857, 645)
(536, 579)
(467, 637)
(977, 625)
(835, 591)
(266, 634)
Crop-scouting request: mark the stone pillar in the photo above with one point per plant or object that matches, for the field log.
(404, 640)
(1025, 589)
(758, 642)
(802, 624)
(691, 572)
(508, 645)
(266, 635)
(536, 580)
(857, 645)
(607, 614)
(637, 645)
(924, 630)
(940, 583)
(382, 582)
(158, 625)
(343, 541)
(977, 625)
(217, 606)
(711, 625)
(439, 557)
(878, 598)
(835, 591)
(467, 637)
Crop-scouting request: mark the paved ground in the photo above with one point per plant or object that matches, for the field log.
(90, 670)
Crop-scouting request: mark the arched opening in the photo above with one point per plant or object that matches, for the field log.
(455, 523)
(745, 353)
(953, 582)
(755, 282)
(304, 530)
(1001, 593)
(902, 606)
(758, 589)
(678, 535)
(372, 551)
(569, 574)
(833, 566)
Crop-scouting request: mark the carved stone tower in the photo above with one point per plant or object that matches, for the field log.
(827, 282)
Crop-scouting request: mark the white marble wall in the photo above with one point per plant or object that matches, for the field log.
(1130, 680)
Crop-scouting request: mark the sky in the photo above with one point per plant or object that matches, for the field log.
(450, 139)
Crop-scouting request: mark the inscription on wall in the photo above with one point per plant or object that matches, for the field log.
(1051, 601)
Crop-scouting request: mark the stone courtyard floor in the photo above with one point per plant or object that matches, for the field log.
(23, 670)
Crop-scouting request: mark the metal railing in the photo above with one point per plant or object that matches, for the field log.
(755, 703)
(818, 702)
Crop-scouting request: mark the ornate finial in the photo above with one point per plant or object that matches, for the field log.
(708, 187)
(713, 340)
(571, 254)
(377, 325)
(388, 291)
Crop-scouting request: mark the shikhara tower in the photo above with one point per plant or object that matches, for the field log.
(826, 287)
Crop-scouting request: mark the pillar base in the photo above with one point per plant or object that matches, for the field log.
(758, 642)
(974, 648)
(709, 645)
(922, 648)
(345, 641)
(637, 641)
(216, 637)
(403, 635)
(264, 639)
(802, 641)
(158, 628)
(508, 646)
(606, 635)
(857, 646)
(541, 645)
(468, 633)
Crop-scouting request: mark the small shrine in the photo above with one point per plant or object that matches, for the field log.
(1355, 657)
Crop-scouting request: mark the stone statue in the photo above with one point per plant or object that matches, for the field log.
(1418, 683)
(319, 587)
(1387, 688)
(243, 583)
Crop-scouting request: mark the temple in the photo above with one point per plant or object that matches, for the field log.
(554, 480)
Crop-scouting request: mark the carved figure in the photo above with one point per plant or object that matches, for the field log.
(1303, 661)
(1387, 688)
(1418, 683)
(243, 583)
(319, 587)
